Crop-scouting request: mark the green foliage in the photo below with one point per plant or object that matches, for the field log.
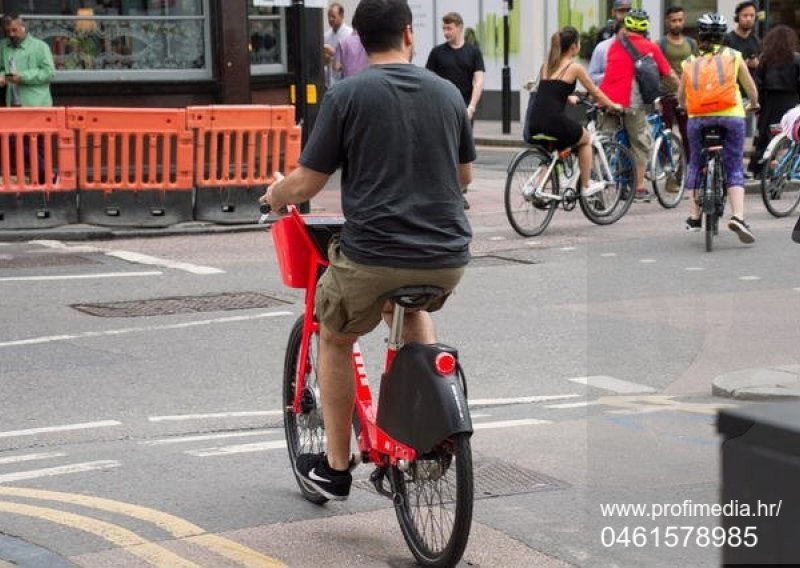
(588, 42)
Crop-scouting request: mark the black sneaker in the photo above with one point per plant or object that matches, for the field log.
(317, 475)
(741, 228)
(693, 225)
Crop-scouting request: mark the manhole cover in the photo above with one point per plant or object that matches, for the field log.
(497, 260)
(182, 305)
(496, 478)
(40, 260)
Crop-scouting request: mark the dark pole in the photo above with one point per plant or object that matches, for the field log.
(300, 79)
(506, 94)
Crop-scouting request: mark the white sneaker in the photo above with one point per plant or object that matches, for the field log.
(593, 188)
(533, 183)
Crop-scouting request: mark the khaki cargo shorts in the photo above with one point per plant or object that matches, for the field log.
(349, 294)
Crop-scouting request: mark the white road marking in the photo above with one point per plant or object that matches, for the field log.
(51, 471)
(63, 428)
(79, 276)
(567, 249)
(130, 256)
(694, 268)
(748, 278)
(580, 404)
(237, 449)
(186, 439)
(241, 414)
(497, 238)
(31, 457)
(519, 400)
(608, 254)
(612, 384)
(532, 243)
(796, 289)
(146, 328)
(155, 261)
(510, 423)
(647, 260)
(58, 245)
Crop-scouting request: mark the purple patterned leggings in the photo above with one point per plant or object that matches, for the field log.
(732, 153)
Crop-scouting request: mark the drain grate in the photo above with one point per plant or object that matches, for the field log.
(40, 260)
(182, 305)
(497, 260)
(497, 478)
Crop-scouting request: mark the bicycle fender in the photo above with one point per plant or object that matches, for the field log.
(771, 146)
(417, 405)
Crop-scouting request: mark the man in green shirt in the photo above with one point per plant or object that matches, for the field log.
(26, 70)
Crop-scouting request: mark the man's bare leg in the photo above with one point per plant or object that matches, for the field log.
(337, 388)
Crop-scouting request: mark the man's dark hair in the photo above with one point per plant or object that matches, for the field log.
(673, 10)
(380, 24)
(746, 4)
(11, 17)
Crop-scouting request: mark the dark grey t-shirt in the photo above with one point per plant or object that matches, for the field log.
(398, 132)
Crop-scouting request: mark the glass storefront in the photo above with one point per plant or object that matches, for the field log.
(267, 40)
(122, 40)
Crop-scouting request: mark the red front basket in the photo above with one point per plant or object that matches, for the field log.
(301, 244)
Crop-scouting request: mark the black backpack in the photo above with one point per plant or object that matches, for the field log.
(648, 77)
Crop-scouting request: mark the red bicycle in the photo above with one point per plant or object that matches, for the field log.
(418, 437)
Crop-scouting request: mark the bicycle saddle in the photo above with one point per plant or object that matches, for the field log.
(414, 296)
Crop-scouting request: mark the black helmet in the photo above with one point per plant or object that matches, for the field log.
(712, 23)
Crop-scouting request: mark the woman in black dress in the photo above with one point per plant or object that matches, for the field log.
(557, 80)
(778, 78)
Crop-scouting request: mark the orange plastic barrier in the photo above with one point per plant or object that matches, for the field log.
(134, 149)
(243, 145)
(37, 150)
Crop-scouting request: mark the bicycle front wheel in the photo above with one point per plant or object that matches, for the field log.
(780, 179)
(433, 500)
(668, 170)
(527, 214)
(305, 430)
(609, 205)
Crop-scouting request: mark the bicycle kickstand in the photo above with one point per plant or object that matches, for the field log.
(378, 479)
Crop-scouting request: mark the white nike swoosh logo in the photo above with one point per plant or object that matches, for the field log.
(313, 475)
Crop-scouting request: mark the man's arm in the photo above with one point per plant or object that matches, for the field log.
(465, 174)
(597, 64)
(43, 71)
(477, 91)
(749, 86)
(299, 186)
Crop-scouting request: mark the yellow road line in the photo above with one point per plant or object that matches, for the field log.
(177, 527)
(123, 538)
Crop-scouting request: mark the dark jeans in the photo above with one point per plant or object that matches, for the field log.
(26, 151)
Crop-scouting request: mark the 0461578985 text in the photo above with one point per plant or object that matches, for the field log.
(678, 537)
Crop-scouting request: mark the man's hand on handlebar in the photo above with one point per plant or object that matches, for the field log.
(269, 202)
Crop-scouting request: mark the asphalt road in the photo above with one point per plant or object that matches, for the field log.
(129, 438)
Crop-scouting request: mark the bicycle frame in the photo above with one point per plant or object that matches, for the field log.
(374, 443)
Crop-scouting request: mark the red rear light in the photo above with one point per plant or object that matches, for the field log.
(445, 363)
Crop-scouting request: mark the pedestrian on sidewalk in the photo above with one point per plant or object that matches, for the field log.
(461, 63)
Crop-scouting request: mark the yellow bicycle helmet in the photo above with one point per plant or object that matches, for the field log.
(637, 21)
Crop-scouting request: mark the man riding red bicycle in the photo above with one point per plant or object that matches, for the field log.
(403, 140)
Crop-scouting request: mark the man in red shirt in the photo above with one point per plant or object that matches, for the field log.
(619, 85)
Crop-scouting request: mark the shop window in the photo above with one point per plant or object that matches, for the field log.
(266, 29)
(122, 40)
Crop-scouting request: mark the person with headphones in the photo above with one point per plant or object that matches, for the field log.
(744, 40)
(716, 101)
(620, 86)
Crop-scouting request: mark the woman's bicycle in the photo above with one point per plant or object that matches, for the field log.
(666, 169)
(780, 174)
(418, 436)
(542, 178)
(711, 196)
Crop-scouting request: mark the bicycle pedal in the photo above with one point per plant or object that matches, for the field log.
(378, 478)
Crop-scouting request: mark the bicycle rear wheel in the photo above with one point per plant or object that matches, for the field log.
(528, 215)
(609, 205)
(305, 431)
(433, 500)
(668, 170)
(780, 179)
(710, 222)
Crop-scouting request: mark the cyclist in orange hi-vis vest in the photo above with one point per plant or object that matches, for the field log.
(710, 94)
